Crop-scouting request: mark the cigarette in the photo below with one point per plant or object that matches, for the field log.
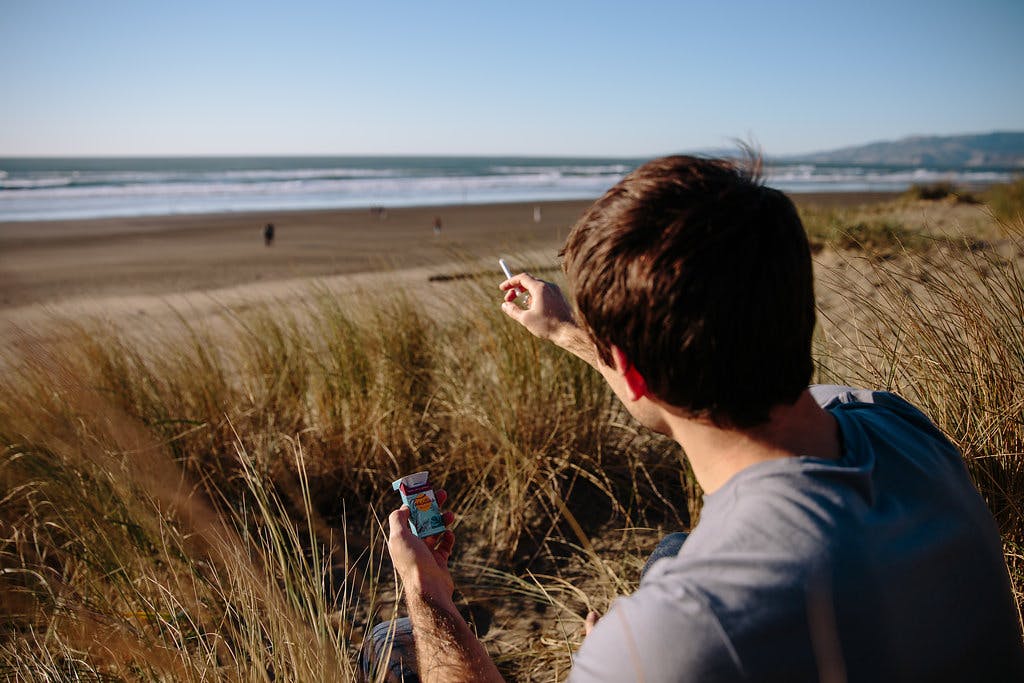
(504, 269)
(508, 276)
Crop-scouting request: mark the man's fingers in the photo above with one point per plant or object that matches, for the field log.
(398, 522)
(445, 544)
(590, 622)
(510, 283)
(531, 285)
(442, 498)
(521, 281)
(513, 311)
(441, 545)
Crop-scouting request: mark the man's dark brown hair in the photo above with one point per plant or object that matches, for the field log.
(701, 276)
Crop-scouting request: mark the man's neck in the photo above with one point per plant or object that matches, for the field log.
(716, 454)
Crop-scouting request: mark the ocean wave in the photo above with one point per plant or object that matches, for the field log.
(161, 178)
(897, 178)
(357, 186)
(34, 183)
(173, 198)
(391, 184)
(302, 174)
(607, 169)
(37, 192)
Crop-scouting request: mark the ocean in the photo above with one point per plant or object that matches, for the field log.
(51, 188)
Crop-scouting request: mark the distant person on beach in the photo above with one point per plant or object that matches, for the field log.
(268, 234)
(840, 539)
(437, 226)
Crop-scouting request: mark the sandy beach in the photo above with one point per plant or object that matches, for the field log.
(152, 269)
(53, 261)
(50, 262)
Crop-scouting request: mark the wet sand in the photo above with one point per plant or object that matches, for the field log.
(54, 262)
(148, 273)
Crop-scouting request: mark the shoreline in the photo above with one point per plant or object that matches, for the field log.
(46, 263)
(12, 230)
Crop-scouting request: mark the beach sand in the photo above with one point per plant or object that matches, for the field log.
(145, 266)
(52, 261)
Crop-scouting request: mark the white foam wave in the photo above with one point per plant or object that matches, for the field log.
(51, 194)
(166, 198)
(88, 178)
(30, 183)
(358, 186)
(304, 174)
(598, 169)
(898, 179)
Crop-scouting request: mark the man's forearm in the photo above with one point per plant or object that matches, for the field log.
(573, 339)
(446, 649)
(577, 342)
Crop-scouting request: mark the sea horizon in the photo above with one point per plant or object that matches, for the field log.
(69, 187)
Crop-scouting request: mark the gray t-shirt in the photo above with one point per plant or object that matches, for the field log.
(882, 566)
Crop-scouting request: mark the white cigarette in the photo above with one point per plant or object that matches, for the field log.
(508, 276)
(504, 269)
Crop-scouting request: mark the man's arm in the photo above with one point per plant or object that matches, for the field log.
(446, 649)
(548, 316)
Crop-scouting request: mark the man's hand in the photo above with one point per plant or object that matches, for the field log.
(548, 315)
(446, 649)
(422, 563)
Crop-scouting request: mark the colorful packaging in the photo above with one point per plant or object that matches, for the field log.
(416, 492)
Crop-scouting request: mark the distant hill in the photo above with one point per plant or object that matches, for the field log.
(955, 151)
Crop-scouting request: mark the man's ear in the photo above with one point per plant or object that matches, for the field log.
(636, 385)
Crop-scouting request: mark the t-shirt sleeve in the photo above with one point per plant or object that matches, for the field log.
(828, 395)
(653, 637)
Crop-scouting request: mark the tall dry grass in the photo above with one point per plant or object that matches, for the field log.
(206, 501)
(944, 327)
(200, 502)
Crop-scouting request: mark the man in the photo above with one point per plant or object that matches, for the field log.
(840, 539)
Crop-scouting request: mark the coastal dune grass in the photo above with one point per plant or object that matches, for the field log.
(947, 331)
(209, 500)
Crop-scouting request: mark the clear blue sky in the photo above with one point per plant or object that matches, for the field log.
(548, 78)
